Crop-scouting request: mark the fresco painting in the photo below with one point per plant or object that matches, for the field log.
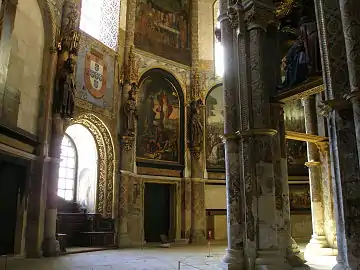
(162, 28)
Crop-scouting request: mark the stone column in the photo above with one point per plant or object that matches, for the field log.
(186, 209)
(341, 129)
(327, 195)
(287, 245)
(258, 142)
(318, 239)
(234, 257)
(127, 139)
(67, 52)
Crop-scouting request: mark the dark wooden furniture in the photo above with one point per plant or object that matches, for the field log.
(77, 228)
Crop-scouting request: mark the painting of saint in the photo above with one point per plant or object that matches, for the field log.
(159, 120)
(162, 28)
(215, 151)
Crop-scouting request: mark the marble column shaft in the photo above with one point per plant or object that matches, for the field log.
(341, 130)
(234, 184)
(314, 165)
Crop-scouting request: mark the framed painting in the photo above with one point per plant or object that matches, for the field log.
(299, 196)
(296, 158)
(162, 28)
(160, 127)
(215, 151)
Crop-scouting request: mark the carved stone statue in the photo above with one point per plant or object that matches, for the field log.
(196, 126)
(65, 92)
(130, 112)
(303, 58)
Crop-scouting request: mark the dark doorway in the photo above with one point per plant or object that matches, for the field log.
(157, 211)
(12, 183)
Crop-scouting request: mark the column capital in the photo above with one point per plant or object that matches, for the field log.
(323, 146)
(337, 104)
(258, 13)
(127, 143)
(353, 97)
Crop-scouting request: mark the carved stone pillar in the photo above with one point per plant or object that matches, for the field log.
(258, 146)
(341, 129)
(186, 209)
(126, 137)
(234, 257)
(64, 94)
(318, 239)
(288, 247)
(327, 194)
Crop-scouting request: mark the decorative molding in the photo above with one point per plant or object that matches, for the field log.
(312, 164)
(298, 136)
(158, 172)
(327, 106)
(127, 143)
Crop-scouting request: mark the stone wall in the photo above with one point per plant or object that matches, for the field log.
(26, 61)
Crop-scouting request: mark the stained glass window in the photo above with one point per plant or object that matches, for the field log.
(100, 19)
(67, 170)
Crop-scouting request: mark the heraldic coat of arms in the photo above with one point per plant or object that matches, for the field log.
(95, 75)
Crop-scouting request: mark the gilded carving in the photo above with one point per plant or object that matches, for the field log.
(102, 136)
(130, 69)
(127, 143)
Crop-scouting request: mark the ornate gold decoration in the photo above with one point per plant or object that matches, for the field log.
(302, 91)
(127, 142)
(195, 152)
(198, 82)
(130, 70)
(323, 146)
(106, 155)
(312, 164)
(298, 136)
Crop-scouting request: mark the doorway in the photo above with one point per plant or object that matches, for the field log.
(12, 185)
(157, 211)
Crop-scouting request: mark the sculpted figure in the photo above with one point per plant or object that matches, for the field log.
(65, 94)
(303, 58)
(130, 112)
(196, 126)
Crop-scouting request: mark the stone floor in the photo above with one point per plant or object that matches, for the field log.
(155, 258)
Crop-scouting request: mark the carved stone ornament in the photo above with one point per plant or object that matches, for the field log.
(69, 36)
(130, 112)
(327, 106)
(195, 152)
(259, 15)
(127, 143)
(130, 70)
(58, 125)
(233, 14)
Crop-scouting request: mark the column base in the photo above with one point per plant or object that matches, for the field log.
(124, 241)
(318, 246)
(294, 256)
(340, 266)
(233, 260)
(198, 237)
(270, 260)
(51, 247)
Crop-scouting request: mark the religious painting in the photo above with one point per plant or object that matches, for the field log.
(158, 136)
(297, 157)
(215, 151)
(299, 196)
(162, 28)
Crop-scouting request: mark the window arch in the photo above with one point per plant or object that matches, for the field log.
(67, 169)
(218, 48)
(100, 19)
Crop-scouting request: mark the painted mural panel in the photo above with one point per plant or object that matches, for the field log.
(95, 74)
(159, 121)
(215, 152)
(162, 28)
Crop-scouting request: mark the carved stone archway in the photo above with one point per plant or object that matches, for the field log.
(106, 154)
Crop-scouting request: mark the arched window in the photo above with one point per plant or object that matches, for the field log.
(218, 48)
(67, 170)
(100, 19)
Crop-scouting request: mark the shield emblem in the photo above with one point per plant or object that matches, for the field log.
(95, 75)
